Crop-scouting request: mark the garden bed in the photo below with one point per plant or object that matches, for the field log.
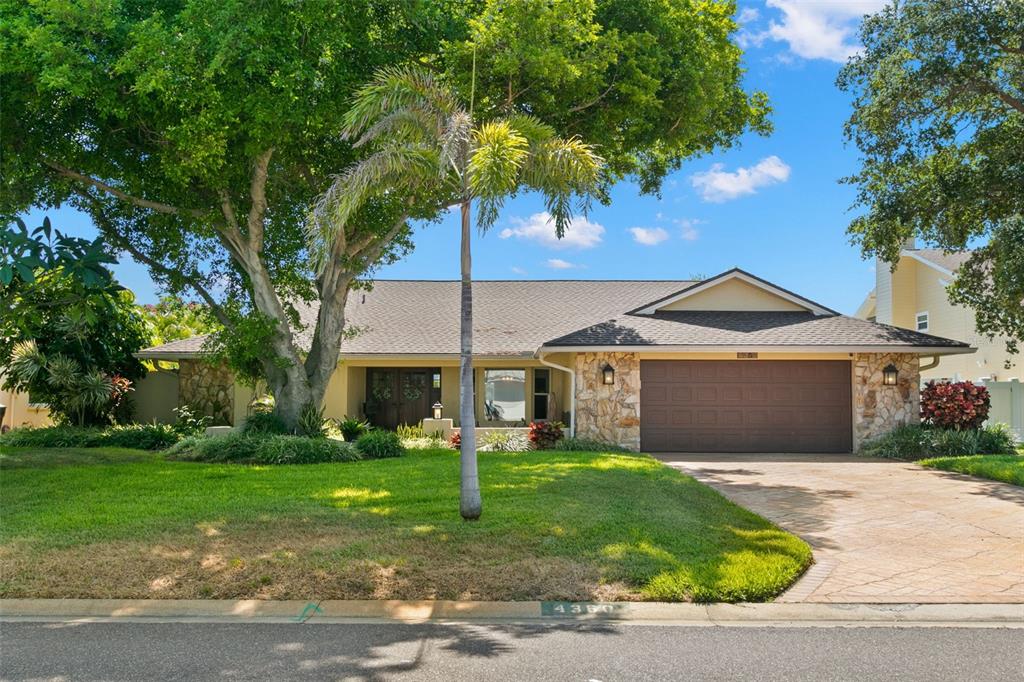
(556, 525)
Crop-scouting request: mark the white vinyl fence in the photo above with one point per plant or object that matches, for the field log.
(1007, 405)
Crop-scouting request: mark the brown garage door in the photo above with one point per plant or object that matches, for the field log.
(745, 406)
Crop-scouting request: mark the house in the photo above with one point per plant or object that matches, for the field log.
(913, 296)
(19, 410)
(728, 364)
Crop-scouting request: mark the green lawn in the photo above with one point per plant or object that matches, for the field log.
(121, 523)
(1005, 468)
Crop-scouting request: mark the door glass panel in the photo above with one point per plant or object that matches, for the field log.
(504, 395)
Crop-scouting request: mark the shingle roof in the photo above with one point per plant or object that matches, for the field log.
(510, 317)
(950, 261)
(398, 317)
(747, 328)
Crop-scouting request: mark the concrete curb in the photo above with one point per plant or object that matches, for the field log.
(251, 610)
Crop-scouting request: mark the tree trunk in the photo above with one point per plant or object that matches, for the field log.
(470, 504)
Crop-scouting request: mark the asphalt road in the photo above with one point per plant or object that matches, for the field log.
(605, 652)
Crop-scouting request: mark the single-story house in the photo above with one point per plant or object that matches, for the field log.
(732, 363)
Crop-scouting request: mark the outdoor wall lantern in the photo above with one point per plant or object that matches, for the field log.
(889, 375)
(609, 375)
(437, 410)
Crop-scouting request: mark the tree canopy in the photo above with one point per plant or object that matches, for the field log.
(197, 133)
(939, 119)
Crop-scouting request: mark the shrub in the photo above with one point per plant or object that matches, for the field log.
(432, 442)
(138, 436)
(503, 441)
(407, 432)
(587, 445)
(302, 450)
(230, 447)
(544, 435)
(959, 405)
(311, 421)
(264, 422)
(378, 444)
(456, 440)
(352, 428)
(189, 422)
(917, 442)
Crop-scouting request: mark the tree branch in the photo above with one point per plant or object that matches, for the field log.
(597, 99)
(124, 196)
(1004, 97)
(138, 254)
(258, 193)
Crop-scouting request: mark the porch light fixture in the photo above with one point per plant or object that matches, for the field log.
(889, 375)
(608, 374)
(437, 410)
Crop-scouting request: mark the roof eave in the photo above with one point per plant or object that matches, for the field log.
(698, 348)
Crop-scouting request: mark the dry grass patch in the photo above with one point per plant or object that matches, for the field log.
(556, 525)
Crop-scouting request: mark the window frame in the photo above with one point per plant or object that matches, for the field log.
(927, 321)
(527, 383)
(534, 393)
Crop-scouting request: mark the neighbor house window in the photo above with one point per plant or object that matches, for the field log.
(504, 395)
(541, 390)
(922, 322)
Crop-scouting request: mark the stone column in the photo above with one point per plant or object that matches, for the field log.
(207, 389)
(608, 413)
(879, 409)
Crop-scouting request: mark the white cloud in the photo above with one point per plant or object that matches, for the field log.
(747, 14)
(648, 236)
(688, 228)
(815, 30)
(518, 270)
(559, 264)
(718, 185)
(539, 227)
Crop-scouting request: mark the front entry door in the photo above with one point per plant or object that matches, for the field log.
(402, 395)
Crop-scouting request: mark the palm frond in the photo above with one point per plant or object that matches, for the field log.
(94, 391)
(394, 88)
(411, 124)
(532, 128)
(62, 371)
(454, 142)
(26, 361)
(496, 160)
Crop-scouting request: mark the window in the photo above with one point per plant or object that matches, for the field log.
(504, 395)
(541, 390)
(922, 321)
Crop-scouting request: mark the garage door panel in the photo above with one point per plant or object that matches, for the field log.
(745, 406)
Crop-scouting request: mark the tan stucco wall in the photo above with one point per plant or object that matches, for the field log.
(155, 397)
(21, 413)
(733, 294)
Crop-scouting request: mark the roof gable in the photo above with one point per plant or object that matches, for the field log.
(734, 291)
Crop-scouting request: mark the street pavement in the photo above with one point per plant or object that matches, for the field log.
(603, 651)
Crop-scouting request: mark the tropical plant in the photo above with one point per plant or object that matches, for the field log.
(264, 422)
(543, 435)
(938, 116)
(504, 440)
(74, 391)
(189, 422)
(915, 441)
(352, 427)
(23, 254)
(311, 421)
(954, 405)
(426, 145)
(378, 444)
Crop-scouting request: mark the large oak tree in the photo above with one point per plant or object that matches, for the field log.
(197, 133)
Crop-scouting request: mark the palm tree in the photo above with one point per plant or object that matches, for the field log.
(428, 153)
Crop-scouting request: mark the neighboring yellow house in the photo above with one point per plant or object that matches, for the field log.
(914, 297)
(732, 363)
(20, 411)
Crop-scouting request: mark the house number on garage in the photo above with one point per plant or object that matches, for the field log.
(746, 356)
(571, 609)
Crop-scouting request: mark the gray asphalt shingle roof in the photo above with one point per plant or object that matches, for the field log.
(746, 328)
(518, 317)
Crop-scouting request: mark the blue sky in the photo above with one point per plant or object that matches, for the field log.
(772, 206)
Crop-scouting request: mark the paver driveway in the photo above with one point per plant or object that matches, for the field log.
(881, 531)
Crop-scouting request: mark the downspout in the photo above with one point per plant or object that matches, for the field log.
(572, 389)
(931, 365)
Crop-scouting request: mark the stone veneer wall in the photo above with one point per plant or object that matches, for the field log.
(206, 388)
(608, 413)
(877, 408)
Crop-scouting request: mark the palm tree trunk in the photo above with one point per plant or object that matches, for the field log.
(470, 504)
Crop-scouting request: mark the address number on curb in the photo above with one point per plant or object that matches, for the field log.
(571, 609)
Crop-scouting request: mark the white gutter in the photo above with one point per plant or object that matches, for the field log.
(572, 389)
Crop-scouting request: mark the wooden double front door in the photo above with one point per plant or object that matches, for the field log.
(401, 395)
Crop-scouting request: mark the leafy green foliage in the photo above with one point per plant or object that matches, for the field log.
(352, 427)
(71, 347)
(264, 422)
(173, 319)
(137, 436)
(22, 253)
(189, 422)
(586, 445)
(938, 117)
(311, 421)
(914, 442)
(504, 440)
(586, 67)
(242, 448)
(379, 444)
